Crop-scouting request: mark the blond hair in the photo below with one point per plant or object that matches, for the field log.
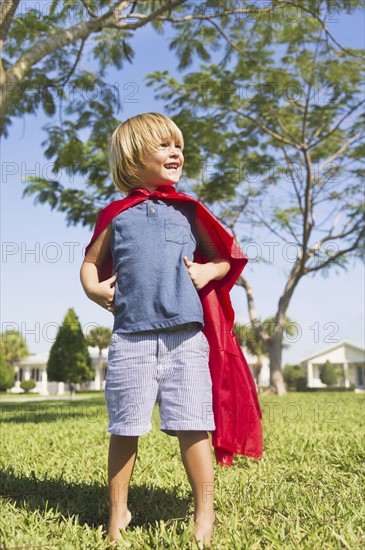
(133, 141)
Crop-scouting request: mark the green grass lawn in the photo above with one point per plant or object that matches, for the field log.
(7, 395)
(307, 491)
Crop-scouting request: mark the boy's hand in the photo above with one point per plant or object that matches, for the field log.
(103, 293)
(200, 274)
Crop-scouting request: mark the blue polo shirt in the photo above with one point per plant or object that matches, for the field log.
(154, 289)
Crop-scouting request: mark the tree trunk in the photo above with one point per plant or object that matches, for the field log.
(100, 370)
(277, 385)
(258, 369)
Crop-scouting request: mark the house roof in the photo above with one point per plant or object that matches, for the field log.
(41, 359)
(344, 343)
(36, 359)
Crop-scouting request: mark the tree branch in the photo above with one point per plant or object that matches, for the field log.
(267, 130)
(56, 41)
(143, 18)
(323, 25)
(299, 198)
(308, 205)
(276, 5)
(341, 150)
(88, 9)
(241, 281)
(281, 124)
(307, 99)
(59, 39)
(226, 37)
(206, 17)
(294, 278)
(269, 226)
(63, 81)
(133, 7)
(332, 259)
(7, 11)
(239, 211)
(322, 138)
(339, 236)
(335, 211)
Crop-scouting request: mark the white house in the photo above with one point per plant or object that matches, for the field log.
(35, 366)
(347, 355)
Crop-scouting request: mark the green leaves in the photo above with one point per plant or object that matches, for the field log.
(112, 48)
(78, 165)
(285, 216)
(194, 39)
(69, 359)
(263, 117)
(99, 337)
(7, 374)
(13, 347)
(273, 129)
(45, 191)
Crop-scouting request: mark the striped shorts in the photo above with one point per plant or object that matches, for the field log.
(168, 367)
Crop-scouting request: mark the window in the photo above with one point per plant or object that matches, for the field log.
(35, 374)
(360, 375)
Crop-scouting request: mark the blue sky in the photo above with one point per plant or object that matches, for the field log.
(41, 256)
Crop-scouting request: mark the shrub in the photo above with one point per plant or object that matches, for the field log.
(328, 374)
(28, 385)
(7, 375)
(295, 377)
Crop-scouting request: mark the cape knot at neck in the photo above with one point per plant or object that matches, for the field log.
(158, 195)
(161, 192)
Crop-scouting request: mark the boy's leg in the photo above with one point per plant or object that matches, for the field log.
(197, 458)
(121, 459)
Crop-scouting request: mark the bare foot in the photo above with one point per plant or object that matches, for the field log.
(203, 531)
(116, 526)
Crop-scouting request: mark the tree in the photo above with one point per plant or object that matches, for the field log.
(43, 51)
(37, 42)
(226, 108)
(250, 336)
(99, 337)
(7, 375)
(13, 347)
(295, 377)
(277, 128)
(328, 374)
(69, 360)
(247, 336)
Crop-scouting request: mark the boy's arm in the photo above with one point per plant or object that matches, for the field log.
(216, 268)
(100, 292)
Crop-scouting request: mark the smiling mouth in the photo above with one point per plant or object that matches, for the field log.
(173, 166)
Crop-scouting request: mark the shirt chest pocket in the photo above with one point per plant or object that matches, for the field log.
(177, 232)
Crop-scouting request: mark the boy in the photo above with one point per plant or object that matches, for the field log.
(165, 264)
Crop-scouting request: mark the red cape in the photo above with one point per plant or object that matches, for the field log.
(236, 408)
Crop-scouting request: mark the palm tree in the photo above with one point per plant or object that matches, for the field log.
(13, 346)
(99, 337)
(250, 337)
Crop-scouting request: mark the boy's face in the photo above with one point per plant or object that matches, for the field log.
(163, 166)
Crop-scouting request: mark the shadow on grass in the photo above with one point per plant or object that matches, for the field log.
(90, 502)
